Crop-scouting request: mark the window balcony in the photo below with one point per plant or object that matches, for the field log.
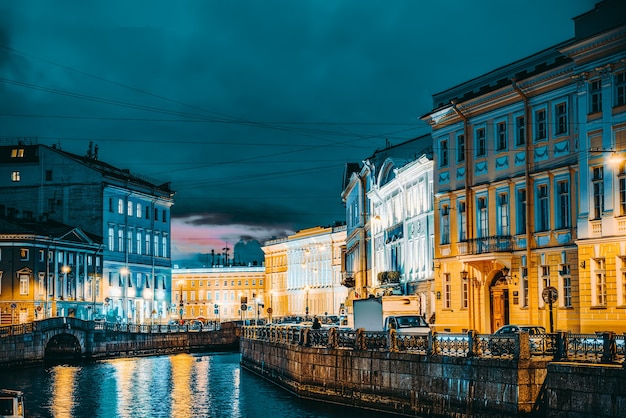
(496, 244)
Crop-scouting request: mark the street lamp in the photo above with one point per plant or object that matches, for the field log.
(124, 273)
(180, 302)
(306, 289)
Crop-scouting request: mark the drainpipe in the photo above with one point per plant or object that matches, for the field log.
(527, 179)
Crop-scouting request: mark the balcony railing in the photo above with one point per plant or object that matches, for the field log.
(496, 244)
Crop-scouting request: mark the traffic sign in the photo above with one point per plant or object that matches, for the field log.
(269, 310)
(244, 306)
(550, 294)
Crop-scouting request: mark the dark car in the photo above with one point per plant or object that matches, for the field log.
(537, 336)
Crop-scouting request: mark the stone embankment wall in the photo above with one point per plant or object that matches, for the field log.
(402, 383)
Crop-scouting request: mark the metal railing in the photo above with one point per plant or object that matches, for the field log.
(69, 322)
(605, 347)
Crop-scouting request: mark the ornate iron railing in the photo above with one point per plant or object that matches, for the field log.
(604, 347)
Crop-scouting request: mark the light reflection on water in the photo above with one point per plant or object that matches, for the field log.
(181, 386)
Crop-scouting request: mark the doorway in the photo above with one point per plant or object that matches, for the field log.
(499, 297)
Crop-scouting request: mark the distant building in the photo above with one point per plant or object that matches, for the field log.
(219, 293)
(48, 269)
(526, 204)
(303, 273)
(129, 214)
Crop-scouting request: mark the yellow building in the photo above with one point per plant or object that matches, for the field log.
(517, 181)
(303, 273)
(219, 293)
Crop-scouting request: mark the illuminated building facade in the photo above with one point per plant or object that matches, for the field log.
(401, 201)
(48, 269)
(304, 272)
(218, 293)
(129, 215)
(522, 206)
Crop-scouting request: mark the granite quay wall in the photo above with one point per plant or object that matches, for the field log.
(448, 375)
(74, 339)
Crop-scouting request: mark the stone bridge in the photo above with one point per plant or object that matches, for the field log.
(65, 338)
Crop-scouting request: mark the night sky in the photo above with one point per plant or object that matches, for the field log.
(250, 108)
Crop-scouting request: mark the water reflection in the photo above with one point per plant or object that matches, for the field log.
(184, 385)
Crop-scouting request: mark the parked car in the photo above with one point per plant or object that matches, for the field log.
(537, 337)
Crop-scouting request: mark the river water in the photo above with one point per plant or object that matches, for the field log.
(180, 386)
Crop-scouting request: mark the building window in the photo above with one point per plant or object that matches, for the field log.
(164, 215)
(24, 254)
(156, 245)
(48, 175)
(622, 195)
(503, 208)
(111, 239)
(462, 221)
(110, 204)
(566, 289)
(120, 239)
(17, 153)
(464, 294)
(120, 206)
(138, 210)
(481, 145)
(460, 148)
(544, 276)
(620, 89)
(521, 211)
(443, 153)
(15, 176)
(446, 291)
(164, 247)
(598, 192)
(129, 241)
(543, 221)
(156, 214)
(483, 220)
(129, 209)
(560, 115)
(563, 220)
(541, 131)
(445, 224)
(148, 243)
(138, 241)
(599, 285)
(24, 280)
(595, 96)
(148, 212)
(502, 138)
(520, 131)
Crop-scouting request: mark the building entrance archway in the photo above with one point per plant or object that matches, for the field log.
(499, 298)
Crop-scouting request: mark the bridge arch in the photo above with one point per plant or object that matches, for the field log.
(64, 346)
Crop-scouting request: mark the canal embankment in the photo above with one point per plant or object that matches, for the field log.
(435, 376)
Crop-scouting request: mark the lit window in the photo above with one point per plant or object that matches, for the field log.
(24, 252)
(599, 285)
(120, 206)
(483, 230)
(129, 209)
(445, 224)
(15, 176)
(598, 192)
(139, 210)
(17, 153)
(24, 280)
(503, 208)
(566, 286)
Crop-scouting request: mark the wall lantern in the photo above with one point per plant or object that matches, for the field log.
(464, 275)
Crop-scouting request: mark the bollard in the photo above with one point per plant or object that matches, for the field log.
(608, 347)
(472, 343)
(560, 352)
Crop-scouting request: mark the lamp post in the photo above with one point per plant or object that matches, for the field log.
(124, 273)
(180, 302)
(306, 310)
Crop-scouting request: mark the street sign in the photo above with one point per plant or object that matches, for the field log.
(216, 306)
(244, 306)
(216, 311)
(269, 310)
(550, 294)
